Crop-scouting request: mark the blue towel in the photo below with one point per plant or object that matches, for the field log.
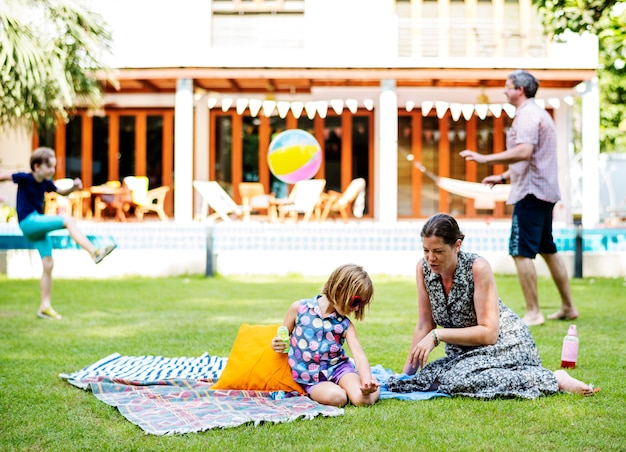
(382, 375)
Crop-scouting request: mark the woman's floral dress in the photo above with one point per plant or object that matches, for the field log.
(510, 368)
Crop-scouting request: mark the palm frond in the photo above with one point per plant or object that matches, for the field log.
(49, 52)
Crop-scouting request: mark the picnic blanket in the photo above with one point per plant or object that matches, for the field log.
(166, 396)
(186, 406)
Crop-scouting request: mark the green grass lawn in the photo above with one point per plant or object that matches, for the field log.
(188, 316)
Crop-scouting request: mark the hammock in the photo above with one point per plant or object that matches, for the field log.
(484, 197)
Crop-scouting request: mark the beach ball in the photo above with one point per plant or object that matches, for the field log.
(294, 155)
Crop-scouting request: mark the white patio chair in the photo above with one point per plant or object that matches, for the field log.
(214, 197)
(305, 199)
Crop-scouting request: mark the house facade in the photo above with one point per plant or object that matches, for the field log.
(203, 86)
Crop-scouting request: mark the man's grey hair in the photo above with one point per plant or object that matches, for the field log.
(526, 80)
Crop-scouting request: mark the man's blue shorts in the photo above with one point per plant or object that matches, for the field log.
(36, 227)
(531, 228)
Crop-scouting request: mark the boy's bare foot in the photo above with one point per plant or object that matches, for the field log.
(564, 314)
(533, 319)
(570, 384)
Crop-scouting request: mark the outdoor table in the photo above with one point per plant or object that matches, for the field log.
(118, 194)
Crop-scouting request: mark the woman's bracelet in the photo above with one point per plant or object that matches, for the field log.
(435, 337)
(502, 178)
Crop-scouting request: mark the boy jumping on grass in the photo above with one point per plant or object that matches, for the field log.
(31, 188)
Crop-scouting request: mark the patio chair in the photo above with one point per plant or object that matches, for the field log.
(254, 199)
(111, 197)
(351, 200)
(214, 197)
(144, 200)
(305, 198)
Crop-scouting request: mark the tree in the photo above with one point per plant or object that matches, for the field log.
(49, 50)
(607, 20)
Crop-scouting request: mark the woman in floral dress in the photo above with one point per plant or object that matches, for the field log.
(489, 349)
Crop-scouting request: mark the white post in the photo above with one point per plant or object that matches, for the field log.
(183, 150)
(562, 123)
(201, 160)
(591, 153)
(386, 154)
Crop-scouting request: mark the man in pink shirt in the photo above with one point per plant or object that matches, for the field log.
(532, 158)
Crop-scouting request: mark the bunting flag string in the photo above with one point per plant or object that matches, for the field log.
(269, 107)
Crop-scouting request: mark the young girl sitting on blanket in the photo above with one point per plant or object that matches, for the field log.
(319, 326)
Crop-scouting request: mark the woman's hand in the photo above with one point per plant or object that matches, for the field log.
(419, 353)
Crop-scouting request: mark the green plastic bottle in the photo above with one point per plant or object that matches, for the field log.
(283, 335)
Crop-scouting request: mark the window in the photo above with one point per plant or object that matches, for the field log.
(223, 151)
(100, 152)
(73, 160)
(405, 167)
(430, 152)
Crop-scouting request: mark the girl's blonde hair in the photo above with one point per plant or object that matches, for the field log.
(347, 286)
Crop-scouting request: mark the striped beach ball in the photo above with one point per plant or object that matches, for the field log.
(294, 155)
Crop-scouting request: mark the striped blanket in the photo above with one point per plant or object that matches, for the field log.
(148, 370)
(166, 396)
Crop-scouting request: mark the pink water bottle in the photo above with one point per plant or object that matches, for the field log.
(569, 355)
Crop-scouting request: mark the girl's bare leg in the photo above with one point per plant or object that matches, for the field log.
(328, 393)
(351, 383)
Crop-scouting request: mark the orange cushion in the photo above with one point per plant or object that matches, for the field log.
(253, 365)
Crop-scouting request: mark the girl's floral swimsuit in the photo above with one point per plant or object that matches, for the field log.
(316, 351)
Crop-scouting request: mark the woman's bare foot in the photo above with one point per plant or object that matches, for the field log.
(570, 384)
(564, 314)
